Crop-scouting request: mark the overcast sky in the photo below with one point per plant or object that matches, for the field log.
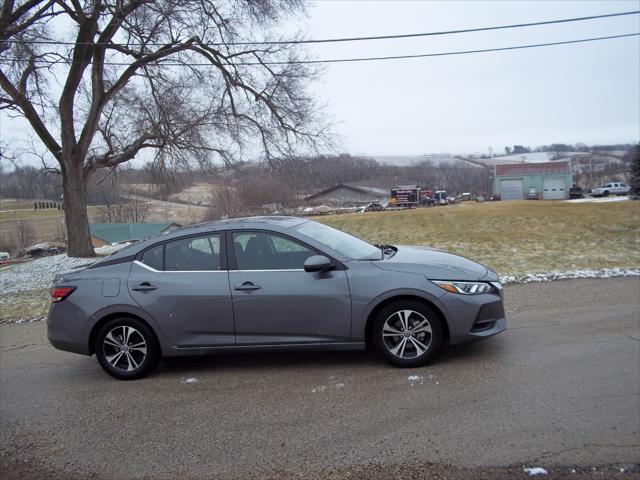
(587, 92)
(572, 93)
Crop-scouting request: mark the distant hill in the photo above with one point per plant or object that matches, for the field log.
(408, 160)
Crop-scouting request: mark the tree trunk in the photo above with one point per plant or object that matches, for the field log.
(74, 188)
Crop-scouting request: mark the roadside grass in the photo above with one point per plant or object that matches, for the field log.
(8, 216)
(512, 237)
(27, 304)
(15, 204)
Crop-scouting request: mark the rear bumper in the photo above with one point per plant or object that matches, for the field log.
(68, 346)
(64, 333)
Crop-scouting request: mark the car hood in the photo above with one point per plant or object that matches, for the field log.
(435, 264)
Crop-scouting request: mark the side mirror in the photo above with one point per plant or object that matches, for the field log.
(318, 263)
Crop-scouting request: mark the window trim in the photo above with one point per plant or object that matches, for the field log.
(224, 265)
(233, 262)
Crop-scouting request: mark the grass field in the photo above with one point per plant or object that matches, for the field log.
(46, 225)
(513, 237)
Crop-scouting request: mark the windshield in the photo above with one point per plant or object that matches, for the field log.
(341, 242)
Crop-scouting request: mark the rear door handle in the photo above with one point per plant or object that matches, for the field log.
(144, 287)
(247, 287)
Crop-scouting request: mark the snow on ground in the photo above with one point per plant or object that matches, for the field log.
(550, 276)
(532, 157)
(37, 274)
(109, 249)
(613, 198)
(535, 471)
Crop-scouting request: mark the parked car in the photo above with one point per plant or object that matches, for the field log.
(4, 258)
(427, 201)
(374, 207)
(613, 188)
(270, 283)
(532, 195)
(441, 197)
(576, 192)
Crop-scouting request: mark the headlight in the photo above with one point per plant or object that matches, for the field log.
(465, 288)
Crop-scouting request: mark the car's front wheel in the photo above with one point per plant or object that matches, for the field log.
(407, 333)
(126, 348)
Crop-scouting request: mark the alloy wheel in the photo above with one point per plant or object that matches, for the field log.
(407, 334)
(125, 348)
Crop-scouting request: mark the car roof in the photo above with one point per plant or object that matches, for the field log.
(276, 223)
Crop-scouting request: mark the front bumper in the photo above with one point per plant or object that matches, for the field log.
(474, 317)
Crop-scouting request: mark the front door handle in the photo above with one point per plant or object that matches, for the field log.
(247, 287)
(144, 287)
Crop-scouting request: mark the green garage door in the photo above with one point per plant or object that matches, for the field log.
(554, 188)
(511, 190)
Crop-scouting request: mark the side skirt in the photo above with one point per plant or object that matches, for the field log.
(294, 347)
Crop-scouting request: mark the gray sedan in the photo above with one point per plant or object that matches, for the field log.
(270, 283)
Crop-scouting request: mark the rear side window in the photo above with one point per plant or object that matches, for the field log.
(195, 253)
(153, 257)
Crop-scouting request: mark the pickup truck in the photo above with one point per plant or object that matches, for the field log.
(612, 188)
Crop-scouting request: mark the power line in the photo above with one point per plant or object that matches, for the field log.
(355, 39)
(367, 59)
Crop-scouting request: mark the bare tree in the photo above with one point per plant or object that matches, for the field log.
(137, 209)
(225, 202)
(181, 79)
(113, 213)
(23, 234)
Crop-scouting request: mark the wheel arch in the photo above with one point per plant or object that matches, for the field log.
(383, 303)
(110, 316)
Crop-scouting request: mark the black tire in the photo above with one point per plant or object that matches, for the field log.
(412, 358)
(606, 193)
(118, 361)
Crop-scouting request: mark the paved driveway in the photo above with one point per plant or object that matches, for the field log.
(559, 389)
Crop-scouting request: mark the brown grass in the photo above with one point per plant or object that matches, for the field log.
(513, 237)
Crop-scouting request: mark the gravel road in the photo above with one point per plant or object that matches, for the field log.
(560, 389)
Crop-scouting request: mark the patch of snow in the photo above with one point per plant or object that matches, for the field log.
(613, 198)
(38, 273)
(323, 388)
(191, 380)
(414, 379)
(32, 319)
(550, 276)
(109, 249)
(535, 471)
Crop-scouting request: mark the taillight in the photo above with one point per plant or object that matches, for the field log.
(60, 293)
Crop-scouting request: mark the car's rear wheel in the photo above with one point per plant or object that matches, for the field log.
(126, 348)
(605, 193)
(407, 333)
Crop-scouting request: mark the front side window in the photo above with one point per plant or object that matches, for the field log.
(195, 253)
(266, 251)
